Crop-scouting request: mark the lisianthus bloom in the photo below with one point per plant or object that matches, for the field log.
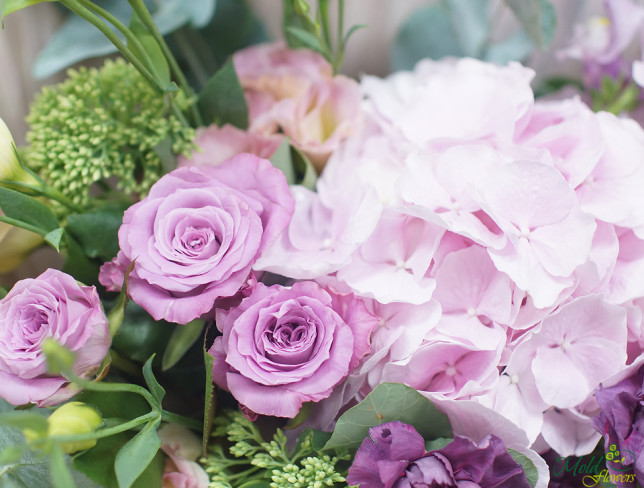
(197, 234)
(621, 422)
(183, 448)
(394, 456)
(217, 144)
(53, 305)
(282, 346)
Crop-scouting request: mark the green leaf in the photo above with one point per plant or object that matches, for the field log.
(18, 206)
(153, 385)
(54, 237)
(77, 39)
(96, 230)
(255, 484)
(137, 454)
(437, 443)
(222, 99)
(308, 40)
(528, 466)
(470, 21)
(538, 18)
(60, 475)
(25, 420)
(386, 403)
(427, 32)
(515, 47)
(283, 161)
(304, 169)
(183, 337)
(98, 464)
(77, 263)
(115, 404)
(10, 6)
(210, 404)
(153, 57)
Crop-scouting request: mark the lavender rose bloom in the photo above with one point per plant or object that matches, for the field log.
(54, 306)
(282, 347)
(621, 422)
(393, 456)
(194, 238)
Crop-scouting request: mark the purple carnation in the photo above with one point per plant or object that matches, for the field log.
(394, 456)
(621, 422)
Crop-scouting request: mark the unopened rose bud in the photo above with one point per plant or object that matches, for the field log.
(74, 418)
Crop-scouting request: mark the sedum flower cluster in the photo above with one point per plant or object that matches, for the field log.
(104, 123)
(269, 461)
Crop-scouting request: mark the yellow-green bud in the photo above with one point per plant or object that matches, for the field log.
(74, 418)
(10, 168)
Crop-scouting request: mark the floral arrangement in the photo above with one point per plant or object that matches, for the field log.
(278, 276)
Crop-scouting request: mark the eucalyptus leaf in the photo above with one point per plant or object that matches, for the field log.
(183, 337)
(222, 100)
(538, 18)
(515, 47)
(528, 466)
(23, 208)
(135, 456)
(10, 6)
(470, 20)
(153, 385)
(78, 40)
(386, 403)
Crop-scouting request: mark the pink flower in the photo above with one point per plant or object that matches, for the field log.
(217, 144)
(183, 448)
(285, 346)
(196, 235)
(53, 305)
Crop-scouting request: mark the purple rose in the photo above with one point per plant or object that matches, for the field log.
(621, 422)
(282, 347)
(394, 456)
(54, 306)
(196, 235)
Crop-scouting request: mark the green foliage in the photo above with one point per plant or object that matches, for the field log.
(615, 96)
(182, 339)
(100, 124)
(467, 28)
(296, 166)
(256, 462)
(77, 40)
(528, 466)
(10, 6)
(386, 403)
(222, 99)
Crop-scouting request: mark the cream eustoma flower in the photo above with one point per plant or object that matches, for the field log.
(15, 243)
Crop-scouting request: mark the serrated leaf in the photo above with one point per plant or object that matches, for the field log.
(153, 385)
(537, 17)
(528, 466)
(182, 339)
(60, 475)
(386, 403)
(23, 208)
(137, 454)
(210, 403)
(222, 99)
(10, 6)
(54, 237)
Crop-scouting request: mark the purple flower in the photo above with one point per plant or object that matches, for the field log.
(54, 306)
(282, 347)
(197, 234)
(394, 456)
(621, 422)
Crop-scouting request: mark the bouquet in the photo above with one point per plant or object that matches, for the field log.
(274, 275)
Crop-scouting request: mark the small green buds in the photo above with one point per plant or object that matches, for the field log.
(74, 418)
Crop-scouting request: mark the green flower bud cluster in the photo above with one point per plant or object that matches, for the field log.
(315, 472)
(104, 123)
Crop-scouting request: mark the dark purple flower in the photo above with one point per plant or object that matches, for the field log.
(621, 422)
(394, 456)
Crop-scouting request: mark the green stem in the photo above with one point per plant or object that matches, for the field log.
(339, 55)
(111, 387)
(323, 13)
(180, 419)
(131, 38)
(148, 22)
(23, 225)
(96, 21)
